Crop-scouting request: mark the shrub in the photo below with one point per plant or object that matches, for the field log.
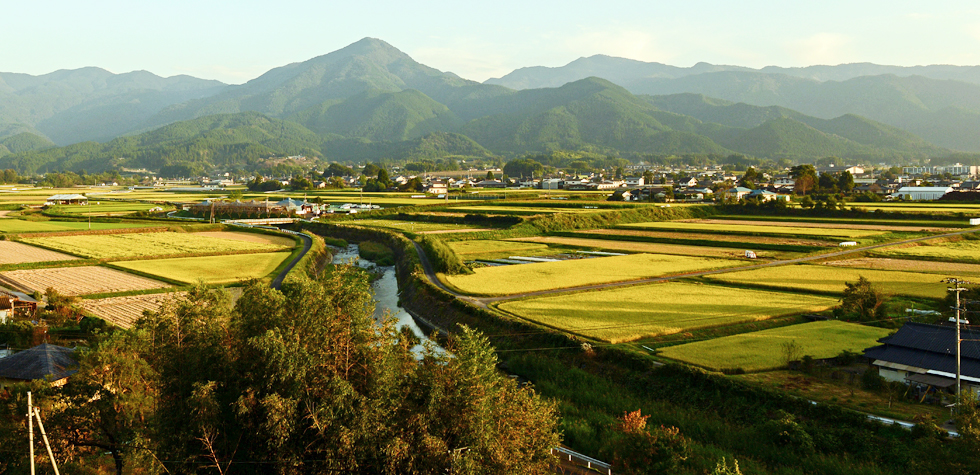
(871, 380)
(442, 257)
(378, 253)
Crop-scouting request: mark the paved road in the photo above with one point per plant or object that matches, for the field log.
(307, 245)
(485, 301)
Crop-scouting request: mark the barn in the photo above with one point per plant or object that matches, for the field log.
(66, 199)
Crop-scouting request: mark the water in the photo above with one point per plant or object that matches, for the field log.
(386, 295)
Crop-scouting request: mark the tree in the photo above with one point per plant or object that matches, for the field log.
(490, 175)
(845, 181)
(648, 177)
(336, 169)
(523, 167)
(370, 169)
(805, 178)
(864, 300)
(638, 450)
(750, 178)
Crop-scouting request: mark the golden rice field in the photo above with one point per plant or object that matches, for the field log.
(507, 280)
(786, 240)
(78, 280)
(117, 246)
(651, 247)
(829, 279)
(825, 225)
(630, 313)
(765, 349)
(225, 269)
(410, 226)
(482, 246)
(12, 252)
(961, 251)
(124, 311)
(17, 226)
(685, 226)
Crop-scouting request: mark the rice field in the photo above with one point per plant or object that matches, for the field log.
(210, 269)
(809, 225)
(765, 350)
(17, 226)
(16, 253)
(508, 280)
(410, 226)
(756, 229)
(630, 313)
(124, 311)
(959, 251)
(97, 208)
(882, 263)
(118, 246)
(650, 247)
(830, 279)
(486, 249)
(78, 280)
(783, 240)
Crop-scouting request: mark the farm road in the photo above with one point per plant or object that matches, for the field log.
(485, 301)
(307, 245)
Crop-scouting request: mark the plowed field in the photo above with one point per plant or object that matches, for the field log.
(79, 280)
(16, 253)
(124, 311)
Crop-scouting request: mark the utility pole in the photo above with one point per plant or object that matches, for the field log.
(957, 288)
(30, 428)
(37, 414)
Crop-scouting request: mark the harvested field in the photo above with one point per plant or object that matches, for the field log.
(711, 237)
(124, 311)
(752, 229)
(212, 269)
(509, 280)
(78, 280)
(630, 313)
(764, 350)
(116, 246)
(957, 251)
(882, 263)
(17, 253)
(649, 247)
(818, 278)
(804, 224)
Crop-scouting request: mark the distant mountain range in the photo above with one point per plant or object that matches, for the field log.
(370, 101)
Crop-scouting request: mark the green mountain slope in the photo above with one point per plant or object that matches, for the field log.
(237, 140)
(431, 146)
(379, 116)
(25, 142)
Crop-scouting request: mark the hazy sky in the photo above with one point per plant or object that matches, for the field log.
(237, 40)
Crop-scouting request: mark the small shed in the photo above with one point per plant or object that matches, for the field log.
(922, 192)
(45, 361)
(66, 199)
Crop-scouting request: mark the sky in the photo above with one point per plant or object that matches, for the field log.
(234, 41)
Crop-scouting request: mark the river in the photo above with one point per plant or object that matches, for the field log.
(386, 295)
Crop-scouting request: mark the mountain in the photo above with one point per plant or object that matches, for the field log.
(431, 146)
(24, 142)
(228, 141)
(69, 106)
(626, 72)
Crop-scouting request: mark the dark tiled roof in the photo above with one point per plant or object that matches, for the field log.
(38, 363)
(930, 347)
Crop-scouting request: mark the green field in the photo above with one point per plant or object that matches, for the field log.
(959, 251)
(765, 350)
(104, 208)
(754, 229)
(507, 280)
(485, 249)
(830, 279)
(654, 247)
(971, 210)
(211, 269)
(115, 246)
(16, 226)
(630, 313)
(410, 226)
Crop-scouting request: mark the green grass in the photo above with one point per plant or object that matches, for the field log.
(102, 208)
(486, 249)
(507, 280)
(764, 350)
(115, 246)
(755, 229)
(210, 270)
(827, 279)
(958, 251)
(630, 313)
(410, 226)
(14, 226)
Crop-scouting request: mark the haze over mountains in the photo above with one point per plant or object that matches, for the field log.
(370, 101)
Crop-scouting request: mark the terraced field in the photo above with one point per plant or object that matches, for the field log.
(765, 350)
(630, 313)
(124, 311)
(506, 280)
(211, 269)
(78, 280)
(485, 249)
(17, 253)
(650, 247)
(786, 240)
(829, 279)
(118, 246)
(754, 229)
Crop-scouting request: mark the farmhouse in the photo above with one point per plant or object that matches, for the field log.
(15, 303)
(45, 361)
(66, 199)
(925, 355)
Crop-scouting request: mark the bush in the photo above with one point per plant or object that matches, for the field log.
(334, 242)
(871, 380)
(442, 257)
(376, 252)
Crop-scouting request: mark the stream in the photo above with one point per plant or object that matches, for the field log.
(386, 295)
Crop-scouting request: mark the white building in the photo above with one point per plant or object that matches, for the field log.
(922, 192)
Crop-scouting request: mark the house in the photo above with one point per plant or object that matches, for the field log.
(922, 192)
(45, 361)
(765, 195)
(437, 188)
(634, 181)
(925, 355)
(738, 192)
(66, 199)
